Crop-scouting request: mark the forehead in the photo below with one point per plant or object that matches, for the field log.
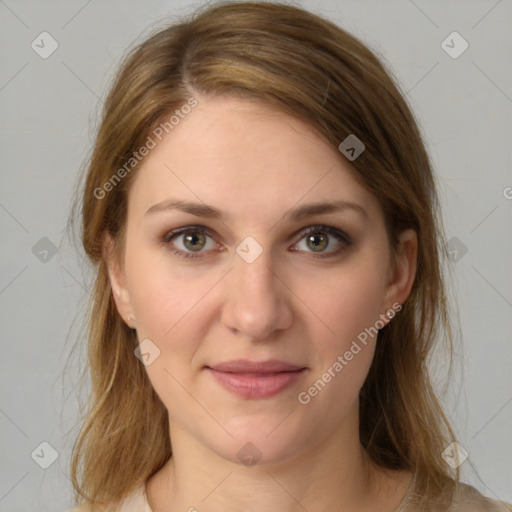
(246, 159)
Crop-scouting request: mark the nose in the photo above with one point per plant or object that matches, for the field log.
(257, 299)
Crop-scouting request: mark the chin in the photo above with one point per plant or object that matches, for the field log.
(261, 440)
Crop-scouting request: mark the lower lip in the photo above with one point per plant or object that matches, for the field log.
(254, 385)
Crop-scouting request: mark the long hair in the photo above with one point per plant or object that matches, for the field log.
(305, 66)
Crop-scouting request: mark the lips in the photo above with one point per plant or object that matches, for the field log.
(261, 367)
(256, 379)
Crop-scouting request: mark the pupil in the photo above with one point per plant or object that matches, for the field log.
(192, 239)
(321, 244)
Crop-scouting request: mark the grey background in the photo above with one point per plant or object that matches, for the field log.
(49, 114)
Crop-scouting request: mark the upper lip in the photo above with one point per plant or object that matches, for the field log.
(246, 366)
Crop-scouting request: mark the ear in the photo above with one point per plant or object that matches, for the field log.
(118, 281)
(403, 269)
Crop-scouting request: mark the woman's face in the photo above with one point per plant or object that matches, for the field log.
(256, 273)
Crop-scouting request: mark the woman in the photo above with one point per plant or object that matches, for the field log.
(261, 212)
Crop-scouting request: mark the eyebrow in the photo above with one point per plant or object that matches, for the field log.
(298, 214)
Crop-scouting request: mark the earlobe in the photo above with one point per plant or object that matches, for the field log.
(117, 280)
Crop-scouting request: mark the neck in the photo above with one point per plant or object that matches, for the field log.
(333, 475)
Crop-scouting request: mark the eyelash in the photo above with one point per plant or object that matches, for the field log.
(328, 230)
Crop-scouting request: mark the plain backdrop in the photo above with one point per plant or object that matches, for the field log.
(50, 112)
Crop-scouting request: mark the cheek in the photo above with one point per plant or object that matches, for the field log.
(345, 302)
(344, 351)
(170, 303)
(167, 304)
(162, 294)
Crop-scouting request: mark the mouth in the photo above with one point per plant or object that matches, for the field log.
(256, 380)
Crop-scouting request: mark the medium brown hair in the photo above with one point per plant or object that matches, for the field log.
(306, 66)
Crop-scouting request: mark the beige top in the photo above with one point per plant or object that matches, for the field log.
(468, 500)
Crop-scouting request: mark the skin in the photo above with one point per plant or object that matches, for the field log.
(255, 164)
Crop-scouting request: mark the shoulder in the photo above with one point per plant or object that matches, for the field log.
(468, 499)
(464, 498)
(135, 501)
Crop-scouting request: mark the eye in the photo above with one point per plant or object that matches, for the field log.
(193, 241)
(189, 240)
(317, 239)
